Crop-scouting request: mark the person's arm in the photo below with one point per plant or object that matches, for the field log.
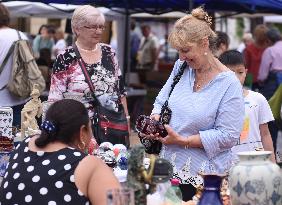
(267, 140)
(227, 127)
(94, 178)
(35, 45)
(265, 64)
(58, 80)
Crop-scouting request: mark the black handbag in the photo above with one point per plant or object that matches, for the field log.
(155, 146)
(107, 125)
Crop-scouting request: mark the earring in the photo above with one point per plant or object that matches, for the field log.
(205, 53)
(83, 145)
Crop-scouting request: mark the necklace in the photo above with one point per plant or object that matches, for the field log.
(85, 50)
(201, 82)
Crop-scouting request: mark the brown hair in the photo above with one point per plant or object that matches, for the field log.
(260, 35)
(191, 29)
(4, 16)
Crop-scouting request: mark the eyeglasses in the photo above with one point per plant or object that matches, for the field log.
(95, 27)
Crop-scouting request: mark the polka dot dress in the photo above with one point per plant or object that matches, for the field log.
(45, 178)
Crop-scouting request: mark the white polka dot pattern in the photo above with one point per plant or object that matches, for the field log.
(9, 195)
(62, 157)
(15, 156)
(59, 184)
(52, 172)
(15, 166)
(21, 186)
(67, 167)
(16, 175)
(28, 198)
(67, 198)
(30, 168)
(49, 173)
(36, 178)
(77, 154)
(46, 162)
(40, 153)
(6, 174)
(72, 178)
(27, 159)
(43, 191)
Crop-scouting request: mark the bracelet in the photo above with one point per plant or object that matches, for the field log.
(128, 117)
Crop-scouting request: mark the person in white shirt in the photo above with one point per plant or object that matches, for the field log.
(7, 37)
(60, 44)
(255, 134)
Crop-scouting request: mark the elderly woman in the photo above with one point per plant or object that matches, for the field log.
(100, 60)
(53, 168)
(207, 106)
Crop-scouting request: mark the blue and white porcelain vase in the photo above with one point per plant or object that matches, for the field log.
(211, 190)
(255, 180)
(6, 120)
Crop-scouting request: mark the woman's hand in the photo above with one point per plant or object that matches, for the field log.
(172, 137)
(155, 117)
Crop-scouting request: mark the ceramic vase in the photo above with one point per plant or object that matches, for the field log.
(4, 159)
(255, 180)
(6, 120)
(211, 190)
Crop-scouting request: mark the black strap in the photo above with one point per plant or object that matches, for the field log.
(176, 79)
(11, 49)
(86, 74)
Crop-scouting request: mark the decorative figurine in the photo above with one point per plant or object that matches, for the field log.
(32, 109)
(159, 171)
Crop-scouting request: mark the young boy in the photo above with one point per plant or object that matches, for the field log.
(255, 134)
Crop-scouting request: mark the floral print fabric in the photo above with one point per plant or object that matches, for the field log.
(68, 79)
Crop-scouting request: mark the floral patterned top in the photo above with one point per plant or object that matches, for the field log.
(68, 80)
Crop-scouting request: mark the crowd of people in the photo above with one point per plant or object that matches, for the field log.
(213, 115)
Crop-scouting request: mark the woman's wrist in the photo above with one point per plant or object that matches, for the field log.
(184, 141)
(128, 117)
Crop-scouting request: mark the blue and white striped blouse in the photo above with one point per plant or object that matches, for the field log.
(215, 112)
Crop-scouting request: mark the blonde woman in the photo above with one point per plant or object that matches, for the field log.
(207, 106)
(88, 24)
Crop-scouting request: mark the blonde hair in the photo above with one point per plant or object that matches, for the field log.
(85, 15)
(191, 29)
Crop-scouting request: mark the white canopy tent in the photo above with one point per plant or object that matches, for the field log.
(62, 11)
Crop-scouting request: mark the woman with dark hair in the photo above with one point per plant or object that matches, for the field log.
(53, 168)
(43, 40)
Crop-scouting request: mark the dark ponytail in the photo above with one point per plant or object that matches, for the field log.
(63, 121)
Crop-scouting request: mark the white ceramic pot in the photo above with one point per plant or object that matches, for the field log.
(6, 121)
(255, 180)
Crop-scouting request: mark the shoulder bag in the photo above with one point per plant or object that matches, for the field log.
(107, 125)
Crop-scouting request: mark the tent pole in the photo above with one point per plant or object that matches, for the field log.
(126, 64)
(191, 5)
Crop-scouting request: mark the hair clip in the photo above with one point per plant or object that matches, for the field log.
(48, 126)
(208, 19)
